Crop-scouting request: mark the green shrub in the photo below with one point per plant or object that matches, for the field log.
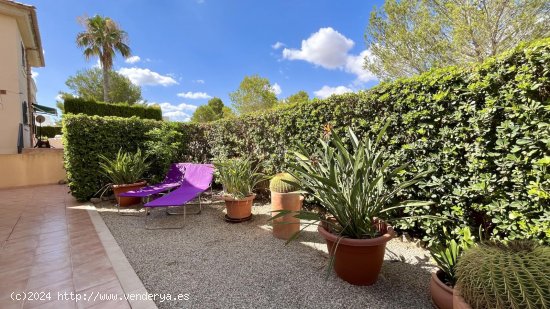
(125, 167)
(81, 106)
(482, 131)
(87, 137)
(164, 143)
(48, 131)
(513, 275)
(239, 176)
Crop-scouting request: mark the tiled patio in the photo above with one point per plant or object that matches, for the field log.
(51, 245)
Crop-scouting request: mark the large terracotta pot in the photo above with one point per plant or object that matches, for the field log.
(442, 294)
(358, 261)
(458, 301)
(239, 209)
(285, 201)
(128, 201)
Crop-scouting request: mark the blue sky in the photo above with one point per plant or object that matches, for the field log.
(189, 50)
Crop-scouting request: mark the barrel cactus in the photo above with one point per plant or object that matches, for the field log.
(283, 183)
(512, 275)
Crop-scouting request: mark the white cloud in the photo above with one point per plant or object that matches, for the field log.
(330, 49)
(326, 47)
(276, 89)
(132, 59)
(146, 77)
(34, 74)
(354, 65)
(194, 95)
(199, 81)
(278, 45)
(180, 112)
(327, 91)
(59, 98)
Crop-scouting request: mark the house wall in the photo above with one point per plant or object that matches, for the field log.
(38, 166)
(13, 79)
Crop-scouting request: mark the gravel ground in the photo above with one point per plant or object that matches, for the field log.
(225, 265)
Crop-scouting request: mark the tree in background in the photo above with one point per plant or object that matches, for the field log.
(408, 37)
(297, 98)
(214, 110)
(103, 38)
(88, 84)
(254, 94)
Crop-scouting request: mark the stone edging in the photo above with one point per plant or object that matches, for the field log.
(130, 282)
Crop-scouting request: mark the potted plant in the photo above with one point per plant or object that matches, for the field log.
(443, 280)
(125, 172)
(284, 196)
(503, 275)
(238, 178)
(359, 193)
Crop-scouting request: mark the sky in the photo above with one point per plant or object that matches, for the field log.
(187, 51)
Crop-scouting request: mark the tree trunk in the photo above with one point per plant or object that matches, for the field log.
(105, 83)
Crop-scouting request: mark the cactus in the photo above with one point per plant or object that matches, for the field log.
(283, 183)
(513, 275)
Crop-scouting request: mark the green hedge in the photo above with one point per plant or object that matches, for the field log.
(81, 106)
(86, 137)
(49, 131)
(483, 131)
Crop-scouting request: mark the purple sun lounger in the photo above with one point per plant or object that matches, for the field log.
(197, 179)
(173, 179)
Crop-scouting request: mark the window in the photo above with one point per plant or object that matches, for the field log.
(25, 114)
(23, 56)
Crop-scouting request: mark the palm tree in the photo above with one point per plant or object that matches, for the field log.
(103, 38)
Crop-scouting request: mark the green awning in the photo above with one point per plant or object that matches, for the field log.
(44, 109)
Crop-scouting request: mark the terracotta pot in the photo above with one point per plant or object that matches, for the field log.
(458, 301)
(239, 209)
(128, 201)
(358, 261)
(286, 201)
(442, 294)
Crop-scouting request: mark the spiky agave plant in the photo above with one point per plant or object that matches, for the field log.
(125, 168)
(239, 176)
(512, 275)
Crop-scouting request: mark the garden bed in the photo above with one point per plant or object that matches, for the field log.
(220, 264)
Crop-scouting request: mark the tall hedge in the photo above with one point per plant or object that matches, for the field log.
(482, 131)
(48, 131)
(89, 107)
(86, 137)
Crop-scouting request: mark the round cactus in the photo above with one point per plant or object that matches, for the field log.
(283, 183)
(513, 275)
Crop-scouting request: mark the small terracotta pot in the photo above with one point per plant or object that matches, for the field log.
(442, 294)
(128, 201)
(458, 301)
(286, 226)
(239, 209)
(358, 261)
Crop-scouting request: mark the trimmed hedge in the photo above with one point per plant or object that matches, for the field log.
(81, 106)
(86, 137)
(482, 131)
(49, 131)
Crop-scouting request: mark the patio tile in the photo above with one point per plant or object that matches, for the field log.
(110, 291)
(8, 303)
(49, 245)
(49, 278)
(53, 290)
